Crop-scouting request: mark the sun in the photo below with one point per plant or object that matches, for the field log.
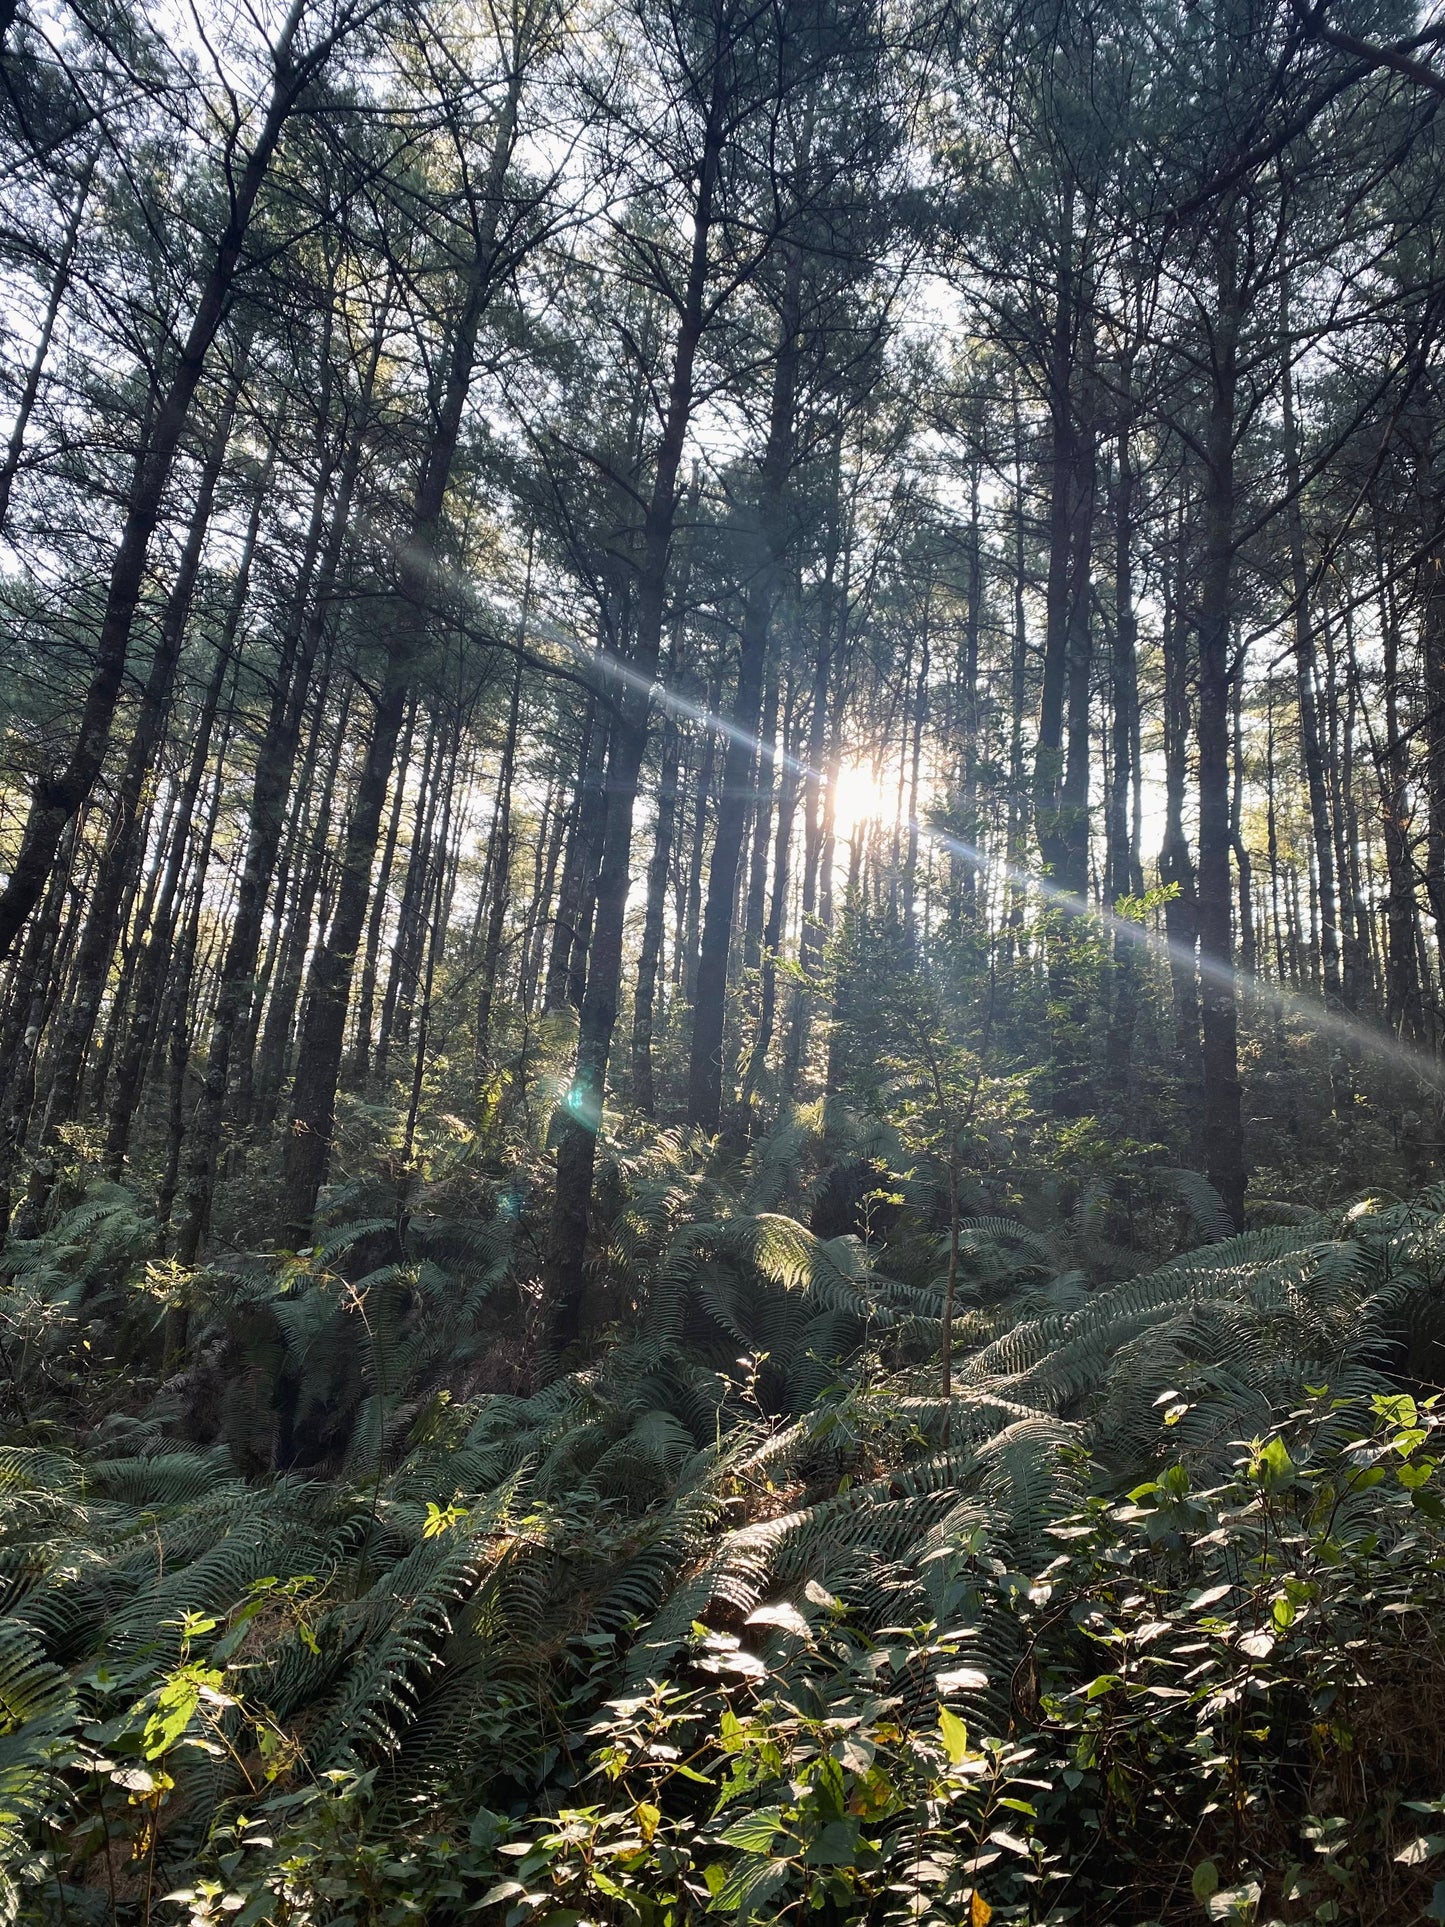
(858, 798)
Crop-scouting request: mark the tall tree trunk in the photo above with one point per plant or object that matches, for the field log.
(434, 918)
(764, 768)
(1306, 674)
(578, 861)
(1404, 999)
(285, 994)
(777, 911)
(579, 1118)
(27, 1007)
(549, 855)
(969, 721)
(1337, 755)
(690, 945)
(499, 855)
(810, 931)
(768, 541)
(1248, 957)
(1223, 1121)
(644, 1006)
(406, 947)
(366, 997)
(908, 881)
(1176, 866)
(1124, 873)
(179, 1041)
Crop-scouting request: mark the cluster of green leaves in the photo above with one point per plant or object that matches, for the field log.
(1224, 1707)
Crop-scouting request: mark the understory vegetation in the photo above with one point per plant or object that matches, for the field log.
(365, 1611)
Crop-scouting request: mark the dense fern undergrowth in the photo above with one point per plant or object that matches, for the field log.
(328, 1597)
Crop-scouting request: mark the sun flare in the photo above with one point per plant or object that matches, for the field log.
(858, 798)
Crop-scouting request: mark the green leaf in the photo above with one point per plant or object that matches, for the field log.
(1396, 1408)
(486, 1829)
(835, 1846)
(1105, 1683)
(1273, 1465)
(755, 1832)
(955, 1736)
(749, 1887)
(175, 1704)
(504, 1890)
(1204, 1881)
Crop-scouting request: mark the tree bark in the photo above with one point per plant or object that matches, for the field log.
(1223, 1120)
(499, 858)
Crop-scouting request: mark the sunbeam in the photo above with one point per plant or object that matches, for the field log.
(860, 798)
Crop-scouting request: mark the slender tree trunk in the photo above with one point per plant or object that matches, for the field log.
(578, 862)
(1337, 756)
(500, 854)
(1223, 1121)
(436, 923)
(579, 1118)
(1014, 836)
(970, 749)
(549, 854)
(151, 969)
(644, 1095)
(1123, 860)
(1176, 866)
(27, 1008)
(756, 896)
(1306, 673)
(406, 943)
(1248, 949)
(688, 949)
(179, 1042)
(1404, 999)
(366, 998)
(810, 932)
(281, 1005)
(34, 374)
(773, 931)
(768, 540)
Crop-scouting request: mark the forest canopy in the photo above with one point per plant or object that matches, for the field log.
(722, 961)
